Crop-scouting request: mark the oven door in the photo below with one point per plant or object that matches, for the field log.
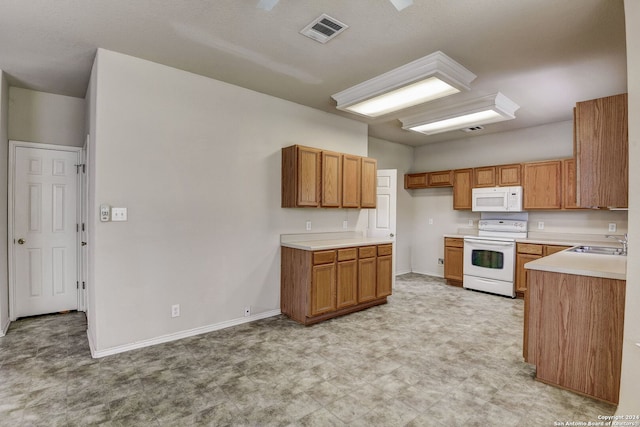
(489, 258)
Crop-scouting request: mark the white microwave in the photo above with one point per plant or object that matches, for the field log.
(496, 199)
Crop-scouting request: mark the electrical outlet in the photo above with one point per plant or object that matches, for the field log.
(612, 227)
(308, 225)
(540, 225)
(175, 310)
(247, 311)
(345, 225)
(470, 223)
(430, 221)
(441, 261)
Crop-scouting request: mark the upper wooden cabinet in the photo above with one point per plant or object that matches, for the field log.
(542, 185)
(569, 200)
(331, 179)
(509, 175)
(369, 179)
(602, 152)
(317, 178)
(440, 179)
(484, 176)
(462, 182)
(301, 176)
(351, 176)
(415, 180)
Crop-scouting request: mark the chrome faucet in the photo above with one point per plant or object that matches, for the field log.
(625, 242)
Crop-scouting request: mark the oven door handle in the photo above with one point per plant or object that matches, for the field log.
(489, 242)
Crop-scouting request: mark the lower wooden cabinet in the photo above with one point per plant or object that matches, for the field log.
(453, 260)
(319, 285)
(527, 252)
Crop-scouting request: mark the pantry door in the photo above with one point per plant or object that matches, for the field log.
(43, 222)
(382, 219)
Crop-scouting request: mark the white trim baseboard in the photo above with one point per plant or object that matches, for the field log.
(4, 329)
(178, 335)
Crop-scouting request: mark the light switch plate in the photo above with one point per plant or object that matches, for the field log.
(118, 214)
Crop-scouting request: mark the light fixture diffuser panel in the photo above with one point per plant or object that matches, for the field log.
(436, 65)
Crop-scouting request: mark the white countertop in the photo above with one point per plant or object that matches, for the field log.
(606, 266)
(332, 240)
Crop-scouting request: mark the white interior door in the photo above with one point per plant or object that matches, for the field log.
(382, 219)
(44, 239)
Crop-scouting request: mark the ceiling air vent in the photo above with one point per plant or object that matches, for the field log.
(323, 28)
(473, 129)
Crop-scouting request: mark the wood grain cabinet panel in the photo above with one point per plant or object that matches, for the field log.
(301, 176)
(415, 180)
(453, 260)
(602, 151)
(440, 179)
(347, 286)
(575, 332)
(484, 177)
(366, 279)
(462, 184)
(509, 175)
(323, 289)
(383, 276)
(542, 185)
(368, 196)
(331, 179)
(526, 252)
(569, 190)
(351, 185)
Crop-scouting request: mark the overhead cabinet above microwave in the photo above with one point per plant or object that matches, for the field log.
(496, 199)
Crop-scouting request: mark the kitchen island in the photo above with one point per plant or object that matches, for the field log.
(574, 317)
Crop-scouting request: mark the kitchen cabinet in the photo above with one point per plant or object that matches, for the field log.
(331, 179)
(319, 285)
(484, 177)
(602, 152)
(574, 332)
(509, 175)
(453, 260)
(440, 179)
(415, 180)
(526, 252)
(569, 197)
(462, 183)
(301, 176)
(351, 176)
(317, 178)
(542, 185)
(368, 195)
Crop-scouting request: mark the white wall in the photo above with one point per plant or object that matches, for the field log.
(551, 141)
(630, 380)
(46, 118)
(197, 162)
(400, 157)
(4, 166)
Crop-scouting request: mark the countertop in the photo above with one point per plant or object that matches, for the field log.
(326, 241)
(606, 266)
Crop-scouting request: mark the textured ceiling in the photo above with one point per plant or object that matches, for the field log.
(543, 54)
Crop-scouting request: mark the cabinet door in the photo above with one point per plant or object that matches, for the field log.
(331, 179)
(384, 276)
(323, 289)
(602, 151)
(552, 249)
(462, 181)
(440, 179)
(542, 185)
(509, 175)
(484, 177)
(366, 279)
(521, 272)
(369, 183)
(309, 166)
(347, 294)
(351, 171)
(415, 180)
(453, 262)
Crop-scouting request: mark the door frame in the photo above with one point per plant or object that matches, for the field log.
(10, 206)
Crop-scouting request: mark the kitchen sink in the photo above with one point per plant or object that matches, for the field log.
(600, 250)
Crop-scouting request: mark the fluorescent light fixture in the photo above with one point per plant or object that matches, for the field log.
(488, 109)
(431, 77)
(401, 4)
(267, 4)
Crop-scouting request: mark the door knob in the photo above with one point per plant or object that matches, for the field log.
(21, 241)
(391, 235)
(84, 243)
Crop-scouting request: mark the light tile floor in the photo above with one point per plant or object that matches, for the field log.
(435, 355)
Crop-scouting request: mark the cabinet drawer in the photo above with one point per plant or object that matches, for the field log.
(347, 254)
(529, 248)
(324, 257)
(453, 242)
(384, 250)
(367, 251)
